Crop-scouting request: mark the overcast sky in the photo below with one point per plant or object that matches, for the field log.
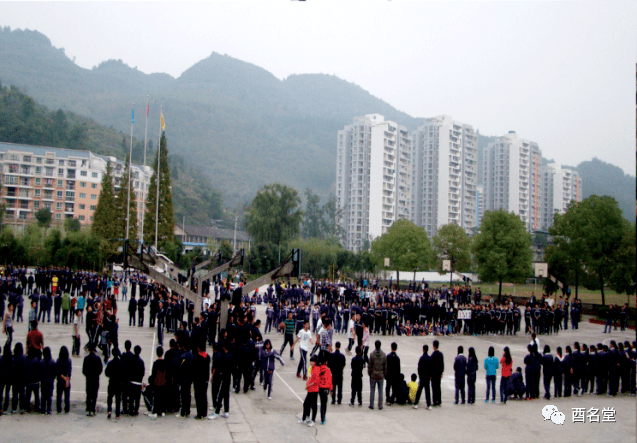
(559, 73)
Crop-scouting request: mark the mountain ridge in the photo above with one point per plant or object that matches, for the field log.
(237, 122)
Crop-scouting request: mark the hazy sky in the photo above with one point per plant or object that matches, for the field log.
(559, 73)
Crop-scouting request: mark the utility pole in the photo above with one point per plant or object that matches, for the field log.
(234, 243)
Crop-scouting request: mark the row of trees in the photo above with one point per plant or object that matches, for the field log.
(593, 246)
(75, 248)
(109, 219)
(590, 245)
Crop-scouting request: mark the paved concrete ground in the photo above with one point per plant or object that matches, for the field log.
(255, 418)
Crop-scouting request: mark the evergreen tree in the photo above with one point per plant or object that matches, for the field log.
(104, 220)
(120, 206)
(166, 228)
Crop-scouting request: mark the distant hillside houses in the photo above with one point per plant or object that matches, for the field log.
(208, 238)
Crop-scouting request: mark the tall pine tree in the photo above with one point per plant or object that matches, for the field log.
(104, 220)
(166, 229)
(120, 206)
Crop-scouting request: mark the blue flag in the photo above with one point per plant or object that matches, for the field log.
(133, 118)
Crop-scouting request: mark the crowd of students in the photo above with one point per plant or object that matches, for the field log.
(241, 354)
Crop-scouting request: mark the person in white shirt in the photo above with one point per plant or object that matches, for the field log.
(305, 337)
(350, 334)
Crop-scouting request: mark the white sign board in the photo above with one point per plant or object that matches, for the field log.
(541, 269)
(446, 265)
(387, 262)
(464, 314)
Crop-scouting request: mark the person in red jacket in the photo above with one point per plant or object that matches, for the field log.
(311, 398)
(325, 385)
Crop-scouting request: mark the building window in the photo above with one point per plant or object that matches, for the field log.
(36, 205)
(94, 174)
(38, 181)
(83, 173)
(93, 185)
(82, 195)
(93, 197)
(93, 207)
(82, 206)
(58, 216)
(81, 218)
(82, 184)
(60, 182)
(60, 194)
(37, 192)
(58, 205)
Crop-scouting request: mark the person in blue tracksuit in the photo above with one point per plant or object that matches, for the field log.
(547, 370)
(267, 361)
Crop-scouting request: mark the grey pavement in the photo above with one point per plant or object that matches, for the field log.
(255, 418)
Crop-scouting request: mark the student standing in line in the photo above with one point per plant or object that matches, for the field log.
(158, 379)
(437, 369)
(507, 364)
(377, 371)
(325, 386)
(63, 370)
(472, 369)
(558, 373)
(460, 371)
(92, 368)
(224, 370)
(337, 364)
(424, 375)
(115, 373)
(18, 388)
(357, 365)
(547, 370)
(491, 365)
(312, 387)
(201, 369)
(48, 377)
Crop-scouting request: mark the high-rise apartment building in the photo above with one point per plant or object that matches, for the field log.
(444, 174)
(66, 181)
(512, 178)
(560, 187)
(373, 178)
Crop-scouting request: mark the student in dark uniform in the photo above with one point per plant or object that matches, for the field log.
(357, 365)
(547, 370)
(437, 369)
(115, 373)
(132, 310)
(201, 375)
(460, 371)
(337, 364)
(472, 368)
(92, 369)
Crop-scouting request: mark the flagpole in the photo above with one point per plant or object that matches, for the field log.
(157, 175)
(130, 160)
(144, 191)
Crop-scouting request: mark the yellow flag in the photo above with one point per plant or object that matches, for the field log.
(163, 123)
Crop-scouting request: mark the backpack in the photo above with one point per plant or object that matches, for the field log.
(160, 378)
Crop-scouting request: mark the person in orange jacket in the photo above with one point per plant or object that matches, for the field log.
(312, 388)
(325, 385)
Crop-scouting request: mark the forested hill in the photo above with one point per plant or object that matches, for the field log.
(24, 121)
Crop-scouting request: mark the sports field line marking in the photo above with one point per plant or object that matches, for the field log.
(289, 387)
